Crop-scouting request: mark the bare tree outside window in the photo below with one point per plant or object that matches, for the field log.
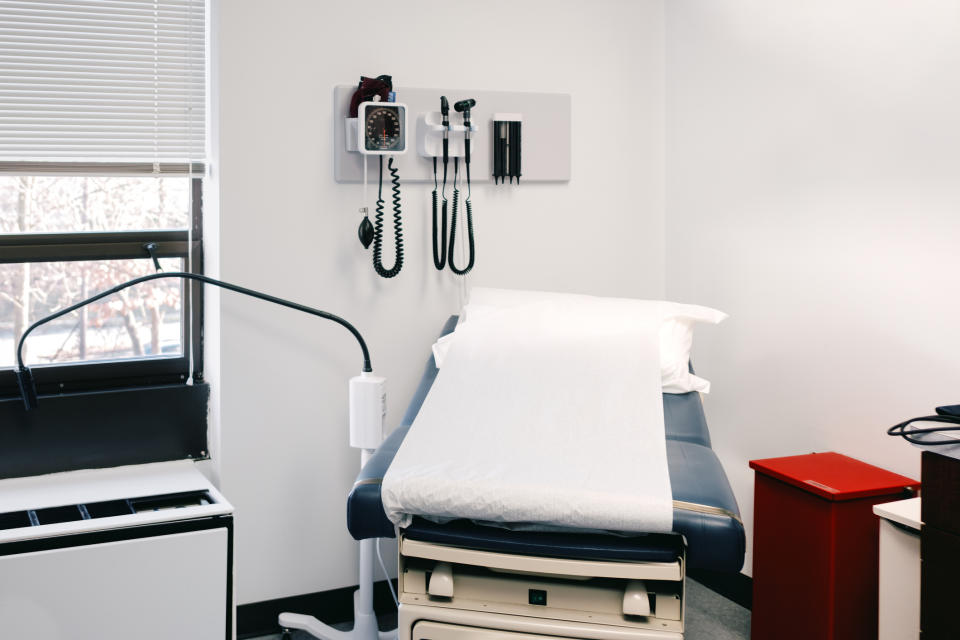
(141, 322)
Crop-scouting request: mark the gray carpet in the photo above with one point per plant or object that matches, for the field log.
(710, 616)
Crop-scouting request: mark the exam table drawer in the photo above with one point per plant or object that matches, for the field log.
(595, 600)
(417, 623)
(437, 631)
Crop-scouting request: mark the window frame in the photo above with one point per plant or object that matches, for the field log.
(107, 375)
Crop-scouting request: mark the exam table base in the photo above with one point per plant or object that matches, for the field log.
(457, 593)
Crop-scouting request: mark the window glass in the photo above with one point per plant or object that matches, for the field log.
(140, 322)
(68, 204)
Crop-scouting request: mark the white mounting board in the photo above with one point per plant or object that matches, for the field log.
(545, 135)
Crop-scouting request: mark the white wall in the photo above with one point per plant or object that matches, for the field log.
(813, 192)
(288, 228)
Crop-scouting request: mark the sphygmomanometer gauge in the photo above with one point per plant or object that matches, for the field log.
(384, 128)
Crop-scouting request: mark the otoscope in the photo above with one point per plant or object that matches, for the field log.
(440, 257)
(462, 106)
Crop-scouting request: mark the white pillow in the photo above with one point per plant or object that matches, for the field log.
(676, 341)
(676, 333)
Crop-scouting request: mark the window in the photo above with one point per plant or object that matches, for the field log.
(102, 140)
(63, 239)
(101, 152)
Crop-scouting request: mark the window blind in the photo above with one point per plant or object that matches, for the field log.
(116, 84)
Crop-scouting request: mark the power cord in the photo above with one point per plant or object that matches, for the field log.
(439, 257)
(464, 106)
(911, 434)
(387, 575)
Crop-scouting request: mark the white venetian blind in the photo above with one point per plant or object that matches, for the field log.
(102, 81)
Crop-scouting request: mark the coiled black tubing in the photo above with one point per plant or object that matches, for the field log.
(378, 224)
(453, 225)
(439, 257)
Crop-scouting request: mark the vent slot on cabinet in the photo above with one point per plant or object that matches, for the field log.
(109, 508)
(14, 520)
(56, 515)
(105, 509)
(172, 501)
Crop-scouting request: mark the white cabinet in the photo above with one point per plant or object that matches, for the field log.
(899, 607)
(141, 552)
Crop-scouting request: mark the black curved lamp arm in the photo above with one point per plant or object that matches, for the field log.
(25, 377)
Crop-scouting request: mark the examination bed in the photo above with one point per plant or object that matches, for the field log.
(705, 511)
(707, 531)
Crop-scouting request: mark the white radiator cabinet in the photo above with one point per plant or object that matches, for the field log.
(159, 572)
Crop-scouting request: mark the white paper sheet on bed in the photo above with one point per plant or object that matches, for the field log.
(547, 414)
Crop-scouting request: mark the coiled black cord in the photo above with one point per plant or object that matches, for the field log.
(439, 258)
(378, 224)
(453, 222)
(911, 435)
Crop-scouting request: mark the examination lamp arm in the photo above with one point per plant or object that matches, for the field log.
(25, 377)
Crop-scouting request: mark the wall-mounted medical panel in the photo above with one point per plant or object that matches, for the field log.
(546, 133)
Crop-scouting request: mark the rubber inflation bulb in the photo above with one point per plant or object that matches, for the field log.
(365, 232)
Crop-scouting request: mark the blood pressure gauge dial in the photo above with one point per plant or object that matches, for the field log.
(383, 128)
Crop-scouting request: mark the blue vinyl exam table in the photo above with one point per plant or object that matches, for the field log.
(463, 581)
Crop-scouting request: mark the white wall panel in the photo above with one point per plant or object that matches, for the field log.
(813, 189)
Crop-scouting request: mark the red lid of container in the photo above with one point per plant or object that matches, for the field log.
(833, 476)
